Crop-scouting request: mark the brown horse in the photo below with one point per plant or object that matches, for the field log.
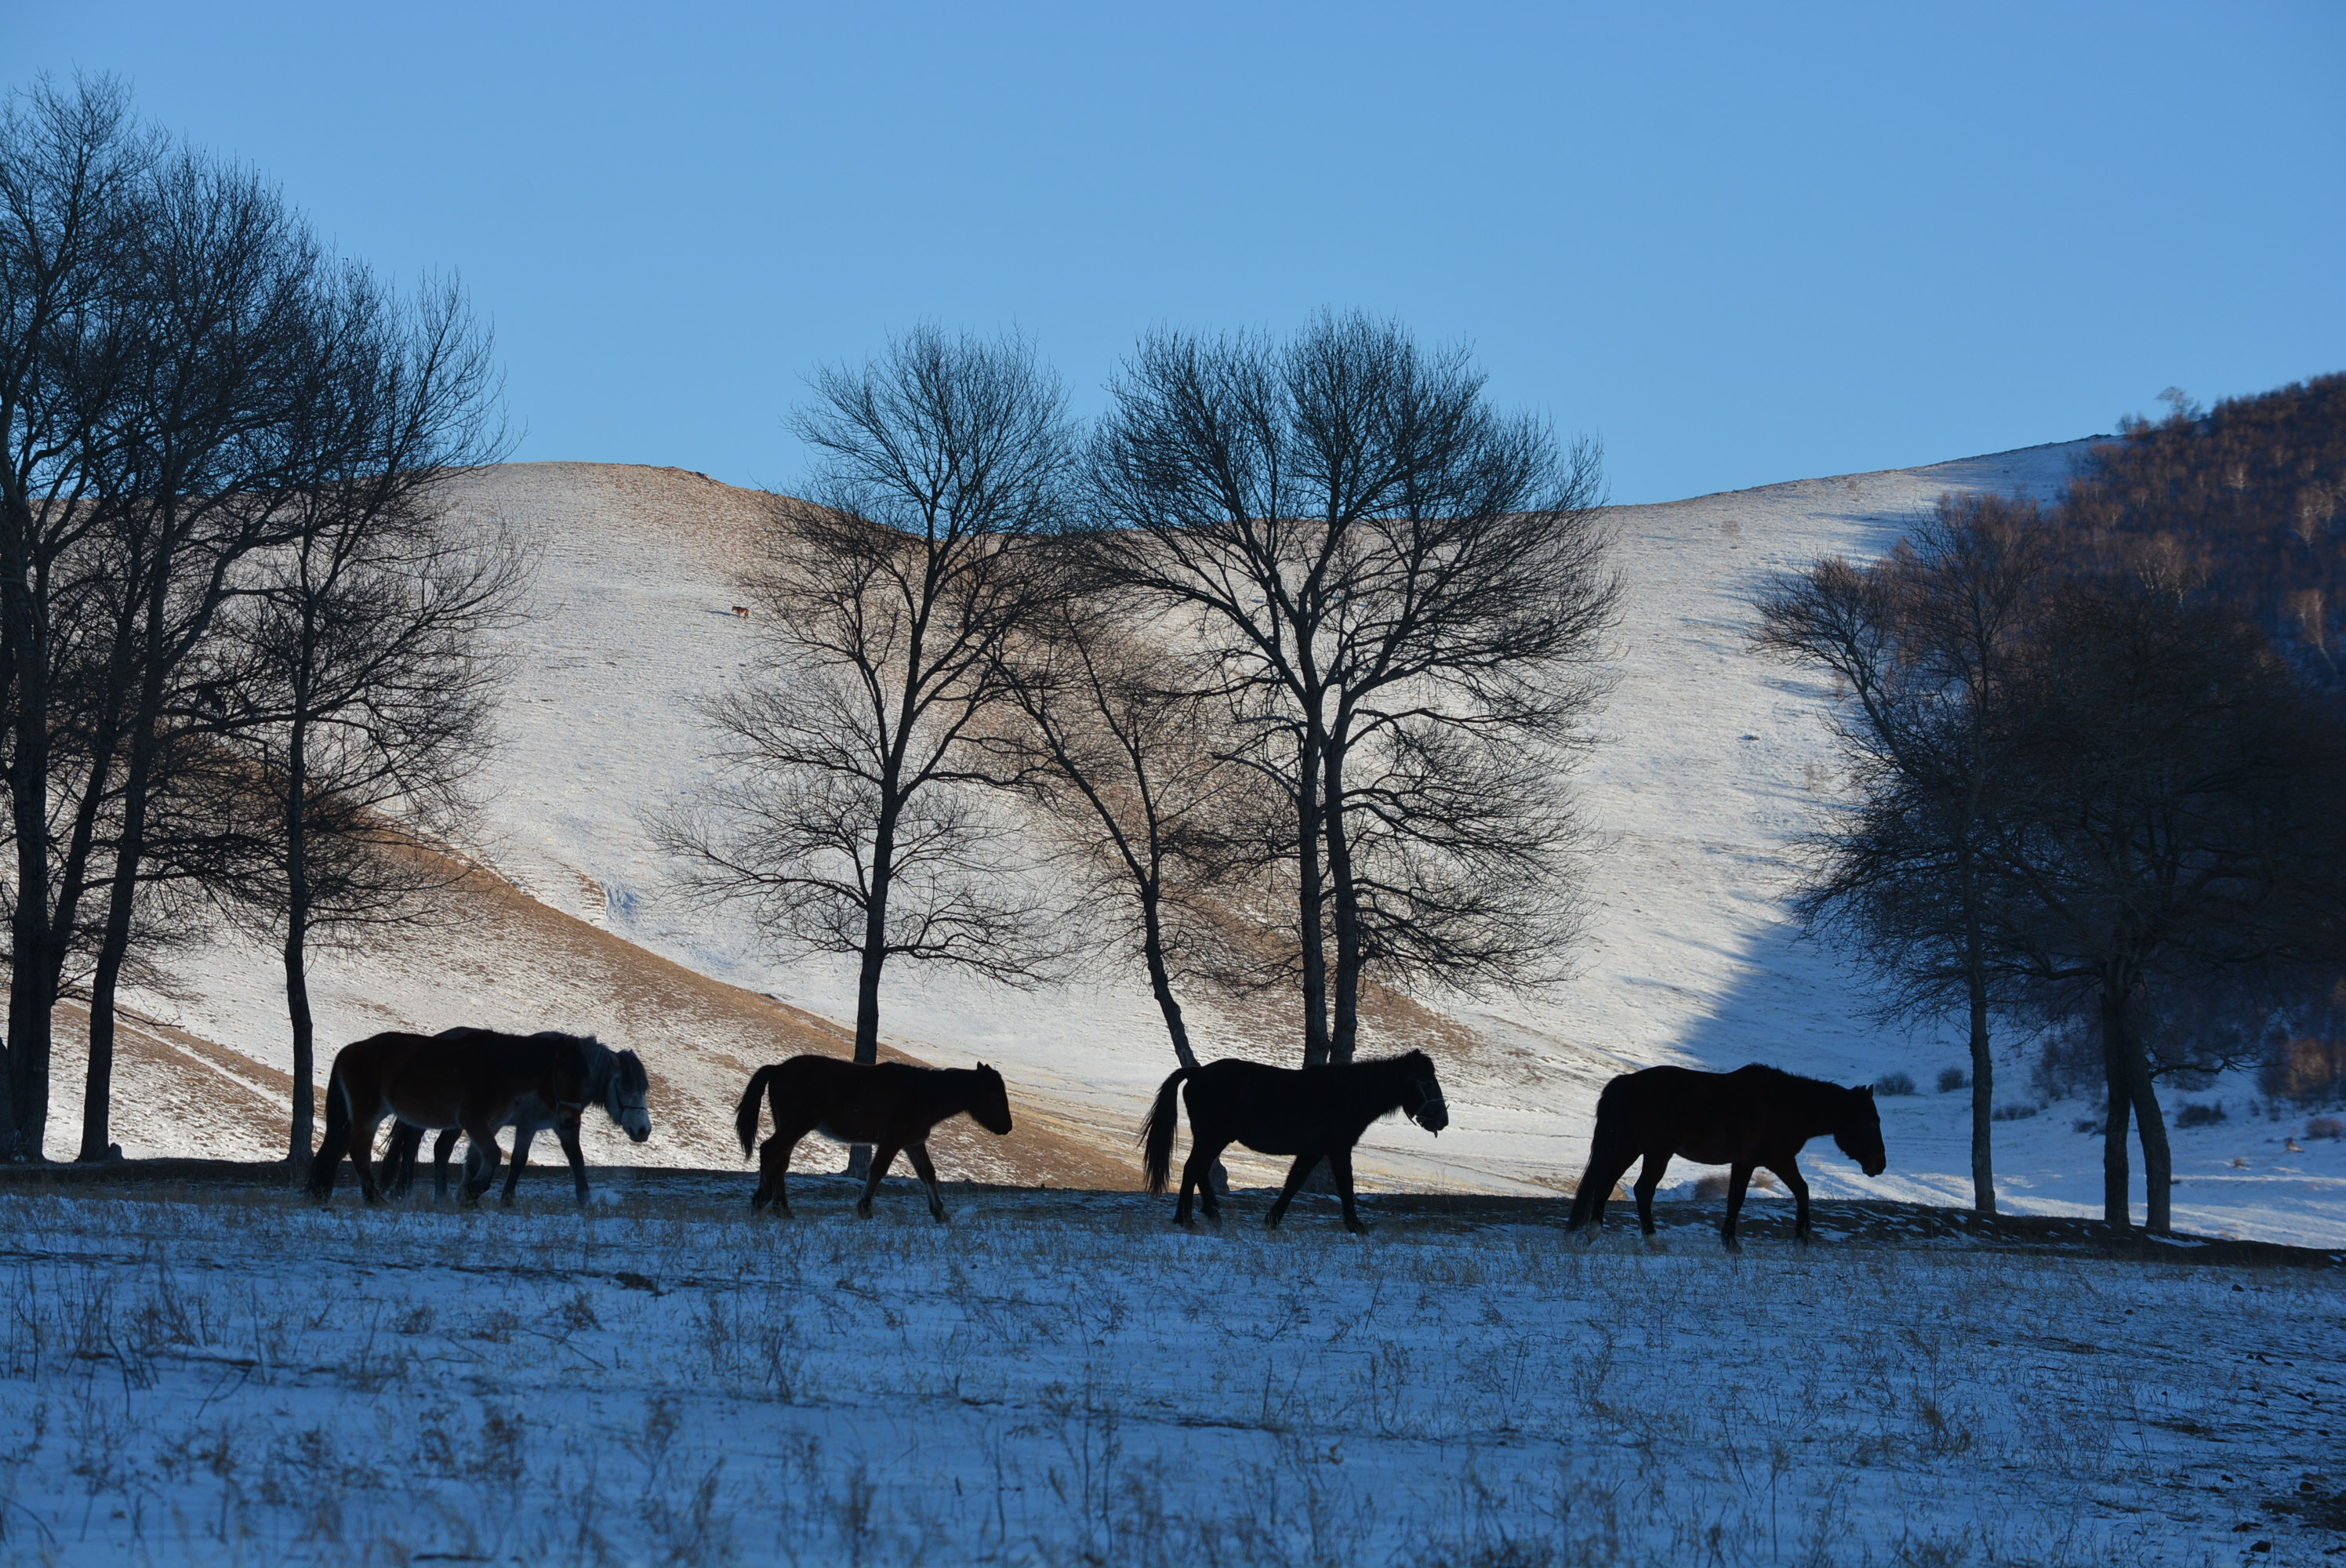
(1754, 1116)
(1313, 1112)
(892, 1106)
(475, 1080)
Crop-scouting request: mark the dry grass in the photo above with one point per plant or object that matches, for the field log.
(232, 1376)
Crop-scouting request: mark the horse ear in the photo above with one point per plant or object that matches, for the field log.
(1867, 1091)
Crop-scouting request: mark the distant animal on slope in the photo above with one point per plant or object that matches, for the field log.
(475, 1080)
(1312, 1113)
(1751, 1118)
(892, 1106)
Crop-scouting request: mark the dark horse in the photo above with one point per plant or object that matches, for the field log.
(1751, 1118)
(892, 1106)
(477, 1081)
(1312, 1113)
(627, 1088)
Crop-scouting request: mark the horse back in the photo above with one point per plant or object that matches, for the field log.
(1716, 1118)
(855, 1102)
(443, 1080)
(1271, 1110)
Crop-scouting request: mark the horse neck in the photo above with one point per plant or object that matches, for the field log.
(1382, 1085)
(1819, 1106)
(600, 1062)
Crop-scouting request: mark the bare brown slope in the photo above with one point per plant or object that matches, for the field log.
(506, 960)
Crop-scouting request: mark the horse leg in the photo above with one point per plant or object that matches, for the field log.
(521, 1136)
(1597, 1188)
(1297, 1174)
(480, 1161)
(1739, 1176)
(883, 1155)
(1649, 1182)
(919, 1155)
(442, 1148)
(1340, 1162)
(773, 1168)
(1208, 1198)
(363, 1131)
(565, 1132)
(399, 1159)
(1197, 1175)
(1789, 1173)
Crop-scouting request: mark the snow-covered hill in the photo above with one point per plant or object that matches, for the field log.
(1711, 759)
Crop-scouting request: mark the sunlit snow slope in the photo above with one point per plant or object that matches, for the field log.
(1711, 760)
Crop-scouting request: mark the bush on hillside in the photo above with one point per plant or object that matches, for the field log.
(1951, 1079)
(1895, 1084)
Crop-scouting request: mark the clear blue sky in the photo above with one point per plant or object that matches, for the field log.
(1740, 243)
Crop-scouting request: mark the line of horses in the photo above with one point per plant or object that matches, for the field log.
(478, 1082)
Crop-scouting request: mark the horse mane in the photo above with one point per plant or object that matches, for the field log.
(1816, 1092)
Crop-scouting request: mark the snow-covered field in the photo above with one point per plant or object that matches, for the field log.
(233, 1376)
(1711, 760)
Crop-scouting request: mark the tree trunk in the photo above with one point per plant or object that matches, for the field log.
(1160, 983)
(31, 989)
(113, 946)
(2116, 1042)
(297, 935)
(1307, 895)
(1983, 1106)
(875, 956)
(2157, 1162)
(1346, 897)
(1160, 979)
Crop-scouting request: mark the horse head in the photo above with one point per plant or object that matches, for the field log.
(627, 1094)
(1422, 1094)
(1860, 1134)
(990, 1106)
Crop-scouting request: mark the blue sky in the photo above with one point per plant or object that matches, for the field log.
(1739, 243)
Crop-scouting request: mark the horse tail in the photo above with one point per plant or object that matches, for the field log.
(337, 1141)
(1157, 1132)
(1604, 1157)
(745, 1114)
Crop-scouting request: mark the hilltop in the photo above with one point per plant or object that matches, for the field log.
(1708, 763)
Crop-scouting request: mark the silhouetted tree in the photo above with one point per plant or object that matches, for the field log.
(73, 166)
(842, 820)
(1922, 646)
(2179, 819)
(351, 683)
(1385, 570)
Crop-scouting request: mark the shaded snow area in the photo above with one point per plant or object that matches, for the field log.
(1710, 762)
(1064, 1379)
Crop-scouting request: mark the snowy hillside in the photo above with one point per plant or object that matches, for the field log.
(1712, 759)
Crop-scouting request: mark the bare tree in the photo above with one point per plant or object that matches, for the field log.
(2181, 819)
(349, 683)
(1122, 747)
(1922, 646)
(842, 821)
(1377, 560)
(71, 164)
(226, 416)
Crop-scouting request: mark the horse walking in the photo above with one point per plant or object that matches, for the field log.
(1312, 1113)
(892, 1106)
(476, 1081)
(1753, 1118)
